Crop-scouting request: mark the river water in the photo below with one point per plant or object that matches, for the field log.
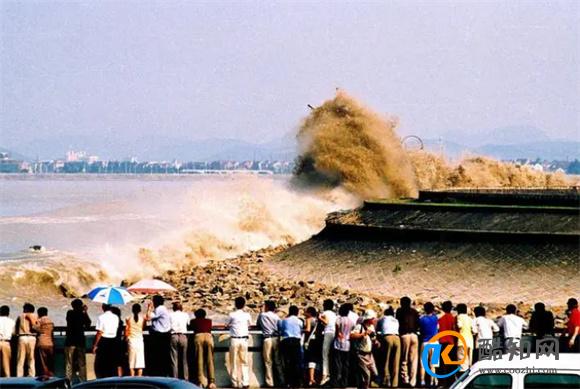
(103, 229)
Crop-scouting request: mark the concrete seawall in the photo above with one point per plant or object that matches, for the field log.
(569, 196)
(451, 222)
(221, 357)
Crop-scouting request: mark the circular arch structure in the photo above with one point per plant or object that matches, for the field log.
(412, 142)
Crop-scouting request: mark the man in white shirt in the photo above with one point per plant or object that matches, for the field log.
(512, 325)
(7, 326)
(179, 321)
(483, 327)
(389, 327)
(25, 330)
(159, 337)
(105, 345)
(238, 323)
(328, 318)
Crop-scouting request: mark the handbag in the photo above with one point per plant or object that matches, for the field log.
(311, 337)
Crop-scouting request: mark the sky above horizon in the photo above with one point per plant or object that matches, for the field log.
(246, 70)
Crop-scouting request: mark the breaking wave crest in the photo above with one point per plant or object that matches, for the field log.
(345, 144)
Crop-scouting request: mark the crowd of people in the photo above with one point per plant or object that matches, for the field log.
(340, 348)
(328, 348)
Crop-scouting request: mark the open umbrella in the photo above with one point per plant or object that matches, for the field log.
(150, 287)
(110, 295)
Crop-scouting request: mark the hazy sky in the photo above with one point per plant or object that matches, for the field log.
(192, 69)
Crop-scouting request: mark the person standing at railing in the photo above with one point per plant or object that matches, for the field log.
(105, 346)
(268, 323)
(512, 326)
(363, 338)
(464, 325)
(313, 338)
(328, 319)
(160, 336)
(408, 319)
(135, 324)
(238, 324)
(483, 328)
(542, 321)
(26, 341)
(341, 348)
(291, 333)
(45, 342)
(7, 327)
(120, 345)
(203, 343)
(447, 323)
(429, 325)
(388, 326)
(179, 321)
(77, 321)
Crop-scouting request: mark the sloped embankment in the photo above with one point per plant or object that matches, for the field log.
(473, 253)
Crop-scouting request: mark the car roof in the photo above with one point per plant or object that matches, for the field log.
(161, 381)
(564, 361)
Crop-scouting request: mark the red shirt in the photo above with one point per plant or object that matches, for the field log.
(447, 323)
(573, 321)
(201, 326)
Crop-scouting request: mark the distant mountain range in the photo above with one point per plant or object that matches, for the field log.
(156, 149)
(510, 135)
(503, 143)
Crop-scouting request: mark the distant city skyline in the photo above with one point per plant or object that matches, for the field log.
(130, 72)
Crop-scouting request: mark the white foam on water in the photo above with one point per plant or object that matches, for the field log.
(148, 231)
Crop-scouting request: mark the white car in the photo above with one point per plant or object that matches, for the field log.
(530, 373)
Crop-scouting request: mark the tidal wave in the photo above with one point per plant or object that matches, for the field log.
(163, 230)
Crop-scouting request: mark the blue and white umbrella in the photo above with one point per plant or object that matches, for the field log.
(110, 295)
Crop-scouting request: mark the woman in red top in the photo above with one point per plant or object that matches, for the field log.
(203, 343)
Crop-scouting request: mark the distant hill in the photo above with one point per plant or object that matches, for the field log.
(557, 149)
(509, 142)
(160, 148)
(545, 150)
(503, 143)
(509, 135)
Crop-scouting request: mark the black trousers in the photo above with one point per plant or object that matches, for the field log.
(290, 348)
(106, 358)
(340, 367)
(159, 353)
(445, 369)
